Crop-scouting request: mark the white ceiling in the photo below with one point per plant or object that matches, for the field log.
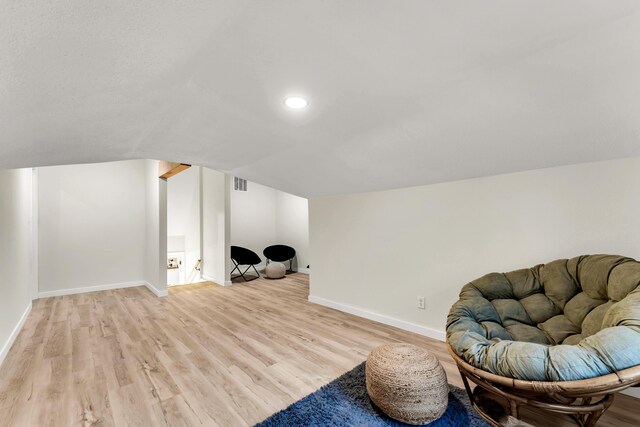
(401, 92)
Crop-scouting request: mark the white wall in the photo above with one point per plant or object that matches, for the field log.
(253, 218)
(375, 253)
(33, 248)
(292, 226)
(91, 226)
(183, 217)
(15, 253)
(263, 216)
(215, 226)
(155, 229)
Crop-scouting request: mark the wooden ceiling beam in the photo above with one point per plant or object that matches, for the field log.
(169, 169)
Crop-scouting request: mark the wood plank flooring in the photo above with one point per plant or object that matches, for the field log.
(204, 356)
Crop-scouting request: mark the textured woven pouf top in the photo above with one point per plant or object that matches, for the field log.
(407, 383)
(275, 270)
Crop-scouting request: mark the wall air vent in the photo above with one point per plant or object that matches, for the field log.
(239, 184)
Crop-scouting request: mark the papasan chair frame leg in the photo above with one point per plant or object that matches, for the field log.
(585, 413)
(590, 420)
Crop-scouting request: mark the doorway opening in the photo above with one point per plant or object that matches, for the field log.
(184, 251)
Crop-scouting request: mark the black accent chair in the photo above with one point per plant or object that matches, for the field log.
(280, 253)
(243, 256)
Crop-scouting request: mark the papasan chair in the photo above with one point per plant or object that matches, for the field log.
(562, 336)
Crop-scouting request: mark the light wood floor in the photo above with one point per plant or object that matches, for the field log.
(206, 355)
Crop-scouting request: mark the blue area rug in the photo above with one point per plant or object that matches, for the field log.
(345, 402)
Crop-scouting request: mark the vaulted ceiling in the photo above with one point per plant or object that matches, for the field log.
(401, 92)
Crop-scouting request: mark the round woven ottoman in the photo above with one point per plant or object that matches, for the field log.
(275, 270)
(407, 383)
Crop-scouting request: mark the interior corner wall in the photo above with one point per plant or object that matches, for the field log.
(375, 253)
(155, 229)
(15, 253)
(292, 226)
(215, 226)
(263, 216)
(33, 248)
(91, 231)
(253, 218)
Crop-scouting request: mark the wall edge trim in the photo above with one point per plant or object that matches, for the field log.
(156, 291)
(381, 318)
(14, 334)
(217, 282)
(105, 287)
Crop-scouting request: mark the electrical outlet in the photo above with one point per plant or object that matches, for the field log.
(421, 303)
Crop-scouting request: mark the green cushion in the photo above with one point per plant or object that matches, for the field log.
(565, 320)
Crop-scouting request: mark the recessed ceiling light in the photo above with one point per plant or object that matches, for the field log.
(296, 102)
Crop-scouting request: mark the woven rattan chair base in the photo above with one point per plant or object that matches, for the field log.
(584, 400)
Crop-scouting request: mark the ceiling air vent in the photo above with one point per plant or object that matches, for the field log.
(239, 184)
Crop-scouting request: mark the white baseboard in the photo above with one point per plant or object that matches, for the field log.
(155, 290)
(633, 392)
(106, 287)
(302, 270)
(387, 320)
(14, 334)
(217, 282)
